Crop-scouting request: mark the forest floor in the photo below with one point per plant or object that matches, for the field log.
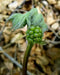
(44, 59)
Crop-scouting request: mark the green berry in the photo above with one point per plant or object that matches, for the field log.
(40, 30)
(32, 28)
(34, 34)
(30, 32)
(36, 30)
(40, 34)
(31, 36)
(30, 40)
(38, 27)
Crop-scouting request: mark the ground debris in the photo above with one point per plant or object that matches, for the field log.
(43, 60)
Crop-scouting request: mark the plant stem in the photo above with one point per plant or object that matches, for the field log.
(26, 56)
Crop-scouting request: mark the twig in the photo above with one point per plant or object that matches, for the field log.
(53, 42)
(12, 59)
(56, 34)
(19, 6)
(33, 1)
(6, 46)
(2, 31)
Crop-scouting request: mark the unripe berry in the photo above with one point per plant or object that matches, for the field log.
(34, 34)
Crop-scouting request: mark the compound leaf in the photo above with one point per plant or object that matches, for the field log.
(30, 18)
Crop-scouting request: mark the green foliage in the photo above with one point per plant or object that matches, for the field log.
(30, 18)
(36, 28)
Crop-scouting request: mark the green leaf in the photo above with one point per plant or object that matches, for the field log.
(12, 17)
(33, 11)
(30, 18)
(18, 20)
(44, 27)
(37, 20)
(30, 15)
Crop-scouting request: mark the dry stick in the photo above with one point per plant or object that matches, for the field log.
(2, 31)
(33, 1)
(20, 6)
(52, 42)
(56, 34)
(14, 61)
(6, 46)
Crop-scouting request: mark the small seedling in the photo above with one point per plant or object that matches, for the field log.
(35, 30)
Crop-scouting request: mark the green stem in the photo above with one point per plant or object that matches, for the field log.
(26, 56)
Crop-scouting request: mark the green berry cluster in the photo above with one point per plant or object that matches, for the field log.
(34, 34)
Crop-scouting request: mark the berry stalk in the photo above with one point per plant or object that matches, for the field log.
(26, 56)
